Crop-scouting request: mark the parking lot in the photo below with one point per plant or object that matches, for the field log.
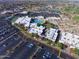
(44, 53)
(24, 51)
(9, 37)
(20, 47)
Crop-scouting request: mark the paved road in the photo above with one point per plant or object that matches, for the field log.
(54, 50)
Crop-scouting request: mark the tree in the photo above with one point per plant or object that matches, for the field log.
(35, 35)
(77, 51)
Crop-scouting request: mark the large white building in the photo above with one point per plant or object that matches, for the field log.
(24, 20)
(70, 40)
(52, 34)
(36, 29)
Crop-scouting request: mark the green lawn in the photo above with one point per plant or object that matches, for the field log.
(49, 25)
(72, 9)
(76, 18)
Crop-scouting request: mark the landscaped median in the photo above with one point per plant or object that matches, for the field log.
(33, 36)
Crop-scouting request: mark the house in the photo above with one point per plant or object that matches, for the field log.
(24, 20)
(24, 12)
(52, 34)
(6, 11)
(70, 40)
(40, 17)
(53, 20)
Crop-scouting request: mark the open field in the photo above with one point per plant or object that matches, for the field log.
(71, 9)
(76, 18)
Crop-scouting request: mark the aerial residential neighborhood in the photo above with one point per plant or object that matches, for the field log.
(66, 38)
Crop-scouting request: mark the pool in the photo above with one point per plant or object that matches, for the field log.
(37, 21)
